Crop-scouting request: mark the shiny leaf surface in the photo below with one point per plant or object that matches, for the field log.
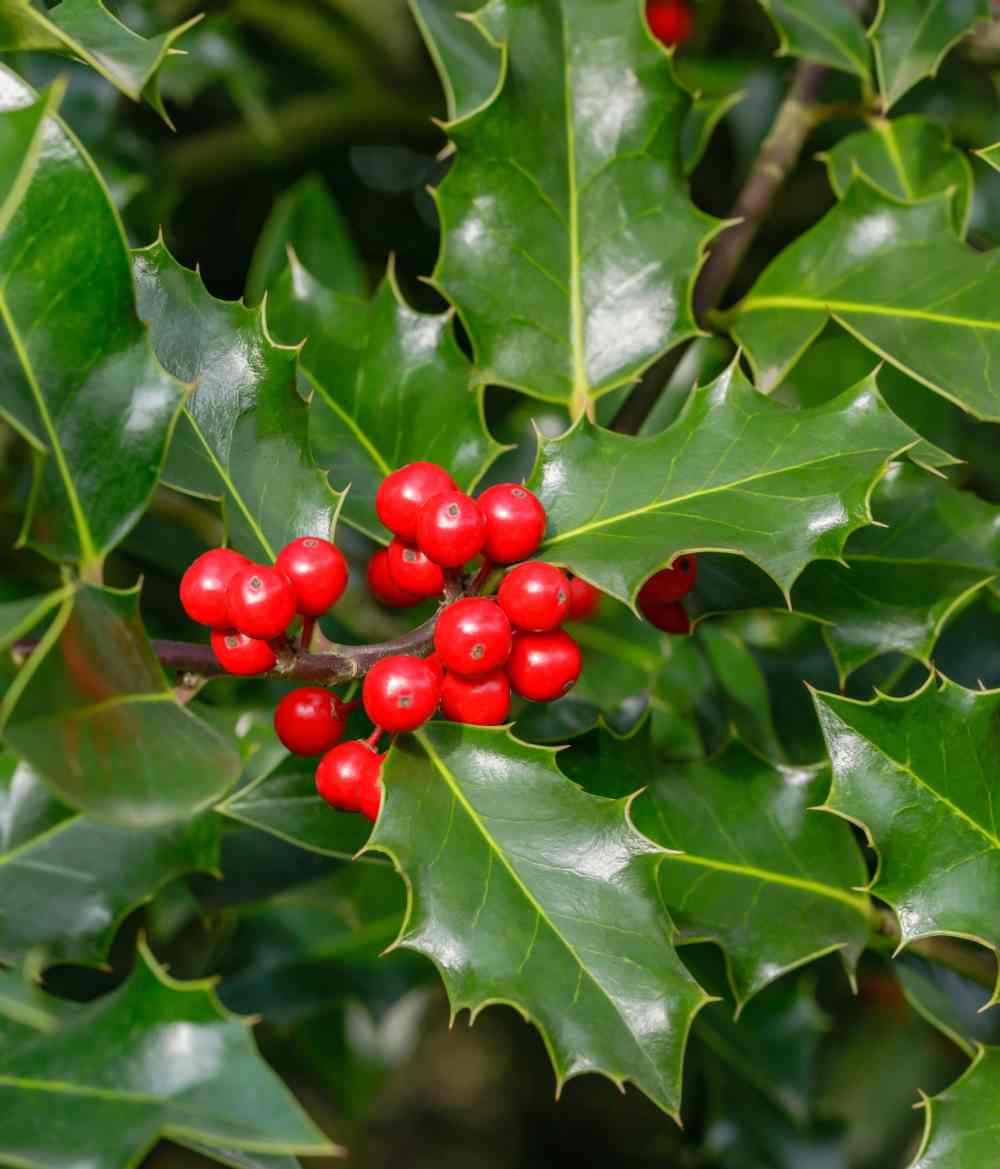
(961, 1131)
(821, 30)
(468, 64)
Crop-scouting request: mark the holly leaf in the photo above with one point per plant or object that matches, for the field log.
(389, 386)
(960, 1128)
(526, 890)
(19, 617)
(68, 880)
(587, 210)
(911, 38)
(155, 1058)
(243, 437)
(917, 770)
(752, 868)
(703, 117)
(86, 30)
(736, 472)
(901, 581)
(91, 712)
(826, 31)
(91, 398)
(896, 277)
(948, 1001)
(990, 155)
(467, 63)
(909, 158)
(306, 218)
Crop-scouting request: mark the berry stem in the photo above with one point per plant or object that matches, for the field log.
(308, 628)
(481, 576)
(374, 737)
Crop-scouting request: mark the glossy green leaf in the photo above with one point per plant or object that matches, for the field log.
(911, 38)
(960, 1130)
(86, 30)
(754, 868)
(306, 219)
(67, 881)
(468, 64)
(896, 277)
(909, 158)
(244, 433)
(947, 1001)
(22, 130)
(154, 1058)
(91, 712)
(827, 31)
(919, 775)
(901, 582)
(389, 386)
(703, 117)
(18, 618)
(570, 183)
(736, 472)
(78, 378)
(526, 890)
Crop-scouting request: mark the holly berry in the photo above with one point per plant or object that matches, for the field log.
(670, 21)
(309, 721)
(669, 584)
(412, 572)
(451, 528)
(317, 572)
(473, 636)
(535, 596)
(515, 523)
(670, 616)
(239, 654)
(482, 701)
(371, 795)
(435, 664)
(583, 599)
(261, 601)
(203, 586)
(544, 666)
(383, 587)
(346, 776)
(400, 693)
(402, 494)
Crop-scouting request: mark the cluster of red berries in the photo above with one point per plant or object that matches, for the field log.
(660, 598)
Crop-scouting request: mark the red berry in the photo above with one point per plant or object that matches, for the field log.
(203, 586)
(435, 664)
(401, 693)
(482, 701)
(451, 528)
(473, 636)
(669, 584)
(412, 572)
(584, 599)
(515, 523)
(544, 666)
(261, 602)
(384, 588)
(670, 21)
(669, 616)
(317, 572)
(371, 795)
(239, 654)
(308, 721)
(402, 494)
(345, 773)
(535, 596)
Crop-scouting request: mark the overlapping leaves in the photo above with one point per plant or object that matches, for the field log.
(829, 33)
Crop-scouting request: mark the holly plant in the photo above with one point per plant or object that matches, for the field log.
(600, 621)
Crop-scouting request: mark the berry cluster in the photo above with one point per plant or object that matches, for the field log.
(660, 598)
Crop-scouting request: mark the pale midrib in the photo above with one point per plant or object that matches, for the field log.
(581, 385)
(760, 303)
(351, 423)
(496, 850)
(65, 1088)
(888, 136)
(804, 884)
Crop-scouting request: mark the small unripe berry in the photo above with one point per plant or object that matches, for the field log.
(669, 584)
(473, 636)
(544, 666)
(670, 616)
(204, 585)
(584, 599)
(670, 21)
(482, 701)
(451, 528)
(515, 523)
(402, 494)
(238, 654)
(308, 720)
(317, 572)
(384, 588)
(412, 571)
(400, 693)
(346, 774)
(261, 602)
(535, 596)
